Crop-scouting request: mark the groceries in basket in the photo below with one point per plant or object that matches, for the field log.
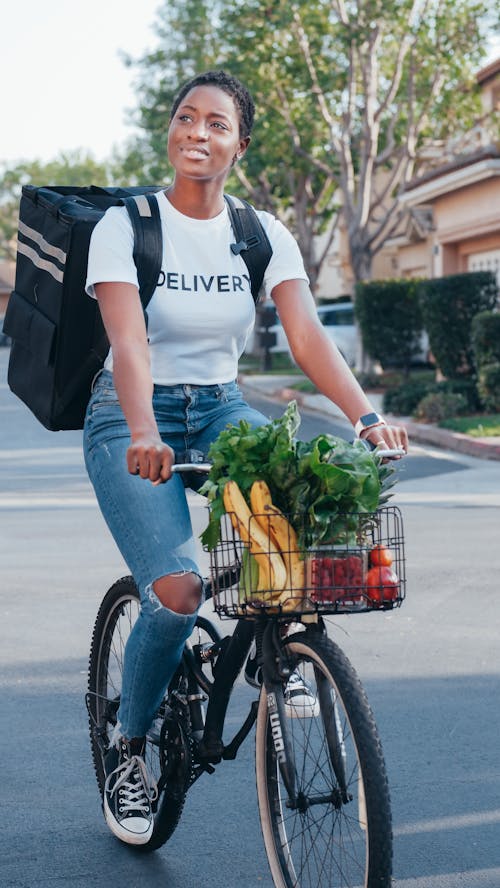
(303, 516)
(279, 579)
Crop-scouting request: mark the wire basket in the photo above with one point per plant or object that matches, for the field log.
(255, 572)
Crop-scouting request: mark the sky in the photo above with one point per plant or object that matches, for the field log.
(64, 85)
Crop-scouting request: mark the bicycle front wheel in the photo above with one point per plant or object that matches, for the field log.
(336, 830)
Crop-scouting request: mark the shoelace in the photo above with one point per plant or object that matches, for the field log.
(135, 795)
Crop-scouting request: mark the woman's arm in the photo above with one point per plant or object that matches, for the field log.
(123, 320)
(322, 362)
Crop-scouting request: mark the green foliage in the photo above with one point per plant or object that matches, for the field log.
(343, 92)
(486, 347)
(449, 305)
(486, 337)
(311, 482)
(489, 386)
(437, 406)
(477, 426)
(188, 43)
(404, 399)
(390, 320)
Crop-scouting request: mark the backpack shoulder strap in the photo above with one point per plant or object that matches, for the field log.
(252, 242)
(144, 214)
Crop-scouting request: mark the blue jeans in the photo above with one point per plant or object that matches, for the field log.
(152, 525)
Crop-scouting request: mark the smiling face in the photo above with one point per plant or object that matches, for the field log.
(204, 134)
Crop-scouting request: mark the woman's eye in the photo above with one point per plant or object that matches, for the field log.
(219, 125)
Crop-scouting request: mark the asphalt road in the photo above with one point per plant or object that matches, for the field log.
(431, 671)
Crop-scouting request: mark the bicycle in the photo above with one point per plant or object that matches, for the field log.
(322, 788)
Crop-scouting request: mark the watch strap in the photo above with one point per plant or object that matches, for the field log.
(368, 421)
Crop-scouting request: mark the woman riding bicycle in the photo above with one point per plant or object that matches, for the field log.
(172, 387)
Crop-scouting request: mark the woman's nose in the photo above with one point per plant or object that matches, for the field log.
(199, 130)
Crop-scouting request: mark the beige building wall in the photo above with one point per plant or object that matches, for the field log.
(415, 260)
(472, 212)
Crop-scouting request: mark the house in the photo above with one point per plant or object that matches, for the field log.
(452, 218)
(452, 224)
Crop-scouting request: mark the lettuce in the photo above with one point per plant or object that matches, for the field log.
(314, 483)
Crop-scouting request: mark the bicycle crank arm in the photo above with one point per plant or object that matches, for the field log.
(230, 751)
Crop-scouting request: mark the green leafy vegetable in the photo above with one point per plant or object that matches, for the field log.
(314, 483)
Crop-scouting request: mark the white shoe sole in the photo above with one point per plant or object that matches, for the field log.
(125, 835)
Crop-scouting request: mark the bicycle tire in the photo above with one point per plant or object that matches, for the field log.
(116, 616)
(326, 841)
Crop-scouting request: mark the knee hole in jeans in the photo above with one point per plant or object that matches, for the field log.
(180, 592)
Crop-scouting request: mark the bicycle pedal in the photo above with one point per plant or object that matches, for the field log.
(211, 752)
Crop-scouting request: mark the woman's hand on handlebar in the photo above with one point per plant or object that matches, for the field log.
(388, 437)
(150, 458)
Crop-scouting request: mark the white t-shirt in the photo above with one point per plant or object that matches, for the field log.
(202, 311)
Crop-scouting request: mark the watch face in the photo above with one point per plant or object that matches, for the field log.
(369, 419)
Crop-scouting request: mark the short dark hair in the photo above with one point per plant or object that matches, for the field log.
(230, 85)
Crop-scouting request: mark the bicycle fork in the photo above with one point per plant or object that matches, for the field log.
(276, 669)
(275, 672)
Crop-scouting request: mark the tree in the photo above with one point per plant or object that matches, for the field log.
(188, 44)
(197, 35)
(348, 92)
(384, 79)
(71, 168)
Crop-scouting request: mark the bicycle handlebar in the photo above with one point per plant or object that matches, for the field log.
(393, 453)
(195, 461)
(201, 468)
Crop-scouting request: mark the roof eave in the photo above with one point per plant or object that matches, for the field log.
(452, 181)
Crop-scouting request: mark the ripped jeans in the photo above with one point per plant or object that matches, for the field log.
(151, 525)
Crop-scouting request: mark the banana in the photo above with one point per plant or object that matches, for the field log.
(284, 537)
(249, 576)
(272, 571)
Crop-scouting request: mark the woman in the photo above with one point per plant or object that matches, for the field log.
(172, 387)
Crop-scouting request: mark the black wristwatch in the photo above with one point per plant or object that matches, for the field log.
(368, 421)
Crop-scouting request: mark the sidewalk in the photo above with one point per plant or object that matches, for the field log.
(281, 388)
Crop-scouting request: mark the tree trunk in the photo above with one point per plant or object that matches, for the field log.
(361, 261)
(361, 264)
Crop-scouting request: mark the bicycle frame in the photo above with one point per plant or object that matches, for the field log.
(233, 650)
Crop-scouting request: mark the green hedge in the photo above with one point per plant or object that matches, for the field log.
(488, 385)
(404, 399)
(449, 305)
(437, 406)
(390, 321)
(486, 338)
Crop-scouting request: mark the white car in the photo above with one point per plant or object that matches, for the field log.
(338, 321)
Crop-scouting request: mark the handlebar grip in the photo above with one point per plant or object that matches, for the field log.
(199, 468)
(385, 452)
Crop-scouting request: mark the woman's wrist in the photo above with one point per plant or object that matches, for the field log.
(368, 421)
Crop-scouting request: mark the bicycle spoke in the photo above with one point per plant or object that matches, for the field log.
(320, 837)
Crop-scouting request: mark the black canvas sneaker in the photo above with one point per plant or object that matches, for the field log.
(300, 699)
(128, 793)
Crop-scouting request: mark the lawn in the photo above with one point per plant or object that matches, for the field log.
(478, 426)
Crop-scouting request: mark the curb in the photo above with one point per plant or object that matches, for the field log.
(482, 448)
(479, 447)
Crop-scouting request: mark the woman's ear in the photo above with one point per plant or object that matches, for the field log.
(244, 143)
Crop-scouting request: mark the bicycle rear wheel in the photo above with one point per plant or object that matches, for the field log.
(115, 619)
(336, 832)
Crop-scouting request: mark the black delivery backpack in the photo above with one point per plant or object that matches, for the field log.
(58, 339)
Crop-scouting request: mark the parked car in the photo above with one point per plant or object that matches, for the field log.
(338, 321)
